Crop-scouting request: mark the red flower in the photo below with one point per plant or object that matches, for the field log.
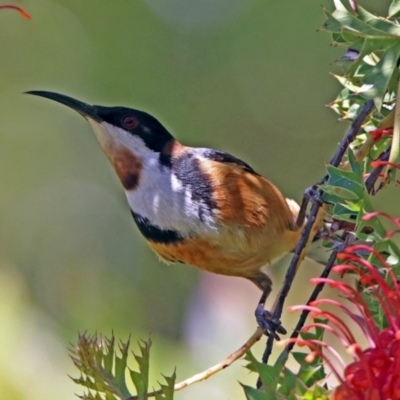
(375, 372)
(21, 10)
(378, 133)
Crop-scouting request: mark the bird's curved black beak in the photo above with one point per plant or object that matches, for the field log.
(86, 110)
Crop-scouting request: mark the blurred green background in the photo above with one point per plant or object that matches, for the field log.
(250, 77)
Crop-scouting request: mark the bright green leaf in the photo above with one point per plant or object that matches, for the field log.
(109, 356)
(384, 25)
(348, 183)
(394, 9)
(317, 393)
(121, 365)
(168, 389)
(288, 383)
(331, 24)
(141, 379)
(380, 76)
(269, 374)
(254, 394)
(354, 165)
(344, 194)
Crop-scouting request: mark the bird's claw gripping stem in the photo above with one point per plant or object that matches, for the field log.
(268, 324)
(313, 194)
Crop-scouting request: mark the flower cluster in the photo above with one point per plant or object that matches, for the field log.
(374, 373)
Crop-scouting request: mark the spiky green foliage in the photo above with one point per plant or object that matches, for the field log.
(104, 370)
(280, 383)
(369, 67)
(168, 389)
(368, 71)
(373, 73)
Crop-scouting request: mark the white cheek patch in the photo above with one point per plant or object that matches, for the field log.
(132, 142)
(111, 137)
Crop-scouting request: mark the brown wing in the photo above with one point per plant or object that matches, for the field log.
(247, 199)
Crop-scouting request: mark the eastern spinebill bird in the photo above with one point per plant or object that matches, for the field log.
(197, 206)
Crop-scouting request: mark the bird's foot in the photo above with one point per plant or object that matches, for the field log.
(313, 194)
(268, 324)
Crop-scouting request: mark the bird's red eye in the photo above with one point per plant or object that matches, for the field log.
(129, 122)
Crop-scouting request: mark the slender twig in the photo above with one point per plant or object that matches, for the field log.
(291, 271)
(314, 295)
(265, 357)
(369, 183)
(352, 132)
(315, 210)
(349, 137)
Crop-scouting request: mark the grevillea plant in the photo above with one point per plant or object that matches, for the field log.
(368, 311)
(373, 306)
(369, 254)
